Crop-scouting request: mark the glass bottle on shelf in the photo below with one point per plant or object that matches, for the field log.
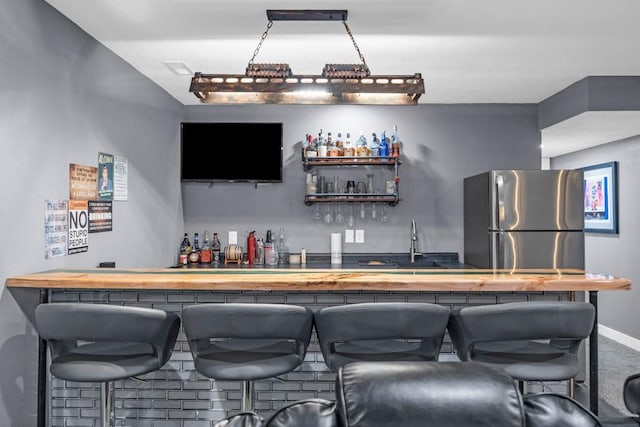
(375, 145)
(362, 149)
(332, 150)
(349, 151)
(322, 145)
(395, 143)
(340, 144)
(384, 146)
(310, 149)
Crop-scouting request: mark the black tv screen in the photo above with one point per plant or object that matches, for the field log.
(228, 152)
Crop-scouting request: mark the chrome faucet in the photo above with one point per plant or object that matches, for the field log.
(414, 242)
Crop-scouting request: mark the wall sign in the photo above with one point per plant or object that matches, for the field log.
(100, 216)
(83, 182)
(78, 226)
(105, 176)
(120, 178)
(56, 228)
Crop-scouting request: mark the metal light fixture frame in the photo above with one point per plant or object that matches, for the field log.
(276, 84)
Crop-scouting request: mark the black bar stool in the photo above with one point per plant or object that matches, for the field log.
(380, 332)
(246, 342)
(531, 341)
(103, 343)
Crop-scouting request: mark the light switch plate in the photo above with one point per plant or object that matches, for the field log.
(349, 235)
(233, 237)
(359, 236)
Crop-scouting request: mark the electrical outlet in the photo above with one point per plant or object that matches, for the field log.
(349, 235)
(359, 236)
(233, 237)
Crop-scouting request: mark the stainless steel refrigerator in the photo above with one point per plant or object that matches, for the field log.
(524, 219)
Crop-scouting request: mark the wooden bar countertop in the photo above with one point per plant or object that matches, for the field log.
(302, 279)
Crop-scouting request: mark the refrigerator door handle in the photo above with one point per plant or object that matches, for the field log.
(497, 254)
(498, 203)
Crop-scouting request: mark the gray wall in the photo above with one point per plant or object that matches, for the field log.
(615, 254)
(63, 98)
(442, 145)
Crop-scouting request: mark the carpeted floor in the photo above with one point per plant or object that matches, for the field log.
(616, 363)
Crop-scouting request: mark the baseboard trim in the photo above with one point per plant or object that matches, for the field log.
(618, 336)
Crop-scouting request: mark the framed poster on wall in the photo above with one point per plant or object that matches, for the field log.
(600, 201)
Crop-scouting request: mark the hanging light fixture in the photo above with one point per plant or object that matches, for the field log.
(338, 83)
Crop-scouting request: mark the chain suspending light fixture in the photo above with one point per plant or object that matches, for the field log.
(338, 83)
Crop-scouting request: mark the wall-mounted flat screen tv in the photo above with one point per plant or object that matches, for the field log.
(231, 152)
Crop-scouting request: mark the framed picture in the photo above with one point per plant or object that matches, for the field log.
(600, 201)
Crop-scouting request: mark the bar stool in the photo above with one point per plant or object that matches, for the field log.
(531, 341)
(247, 342)
(103, 343)
(380, 332)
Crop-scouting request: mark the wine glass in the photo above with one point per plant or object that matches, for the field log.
(351, 220)
(385, 217)
(339, 215)
(316, 213)
(374, 212)
(363, 212)
(328, 216)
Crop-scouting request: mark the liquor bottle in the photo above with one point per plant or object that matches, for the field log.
(194, 255)
(332, 150)
(259, 251)
(322, 145)
(283, 250)
(340, 144)
(251, 248)
(205, 252)
(395, 143)
(270, 251)
(349, 151)
(375, 145)
(185, 248)
(196, 242)
(215, 249)
(384, 145)
(310, 150)
(362, 149)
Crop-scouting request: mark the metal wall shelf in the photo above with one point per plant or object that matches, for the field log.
(390, 198)
(311, 162)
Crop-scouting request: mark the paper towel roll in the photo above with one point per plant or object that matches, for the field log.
(336, 248)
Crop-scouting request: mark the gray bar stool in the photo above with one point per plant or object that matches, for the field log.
(531, 341)
(103, 343)
(380, 332)
(246, 342)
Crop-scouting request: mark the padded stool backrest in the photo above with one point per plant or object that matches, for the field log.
(555, 410)
(419, 394)
(631, 393)
(248, 325)
(66, 325)
(380, 322)
(566, 324)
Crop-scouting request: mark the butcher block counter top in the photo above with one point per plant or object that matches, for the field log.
(305, 279)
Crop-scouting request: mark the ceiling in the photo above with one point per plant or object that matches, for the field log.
(468, 51)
